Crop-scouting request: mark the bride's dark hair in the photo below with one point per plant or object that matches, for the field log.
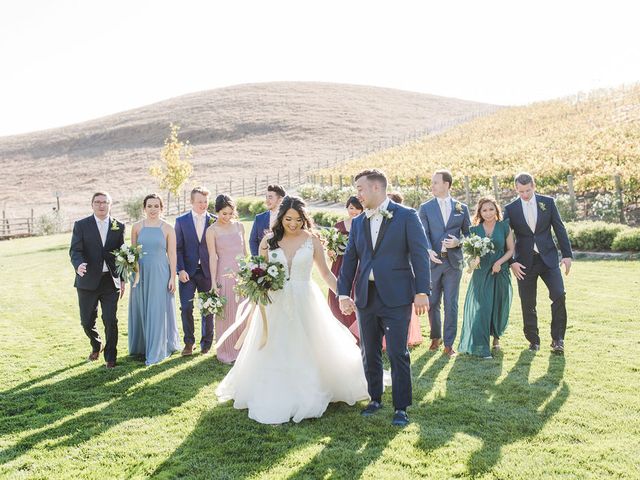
(288, 203)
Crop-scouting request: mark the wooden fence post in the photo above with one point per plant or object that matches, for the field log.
(618, 181)
(496, 191)
(255, 186)
(572, 194)
(417, 182)
(331, 180)
(31, 224)
(299, 174)
(243, 186)
(467, 190)
(230, 187)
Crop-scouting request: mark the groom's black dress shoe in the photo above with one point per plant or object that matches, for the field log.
(400, 419)
(370, 409)
(534, 347)
(557, 346)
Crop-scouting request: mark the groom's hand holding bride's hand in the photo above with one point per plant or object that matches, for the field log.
(347, 307)
(421, 303)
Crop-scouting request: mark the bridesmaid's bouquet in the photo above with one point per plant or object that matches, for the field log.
(474, 248)
(257, 277)
(335, 242)
(211, 303)
(127, 258)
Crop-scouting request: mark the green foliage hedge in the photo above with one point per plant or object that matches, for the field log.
(627, 241)
(589, 236)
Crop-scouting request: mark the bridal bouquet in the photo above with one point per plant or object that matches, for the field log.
(127, 258)
(211, 303)
(474, 248)
(335, 242)
(257, 277)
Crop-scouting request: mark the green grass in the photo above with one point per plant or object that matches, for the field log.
(521, 415)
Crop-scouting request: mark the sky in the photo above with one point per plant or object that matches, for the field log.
(66, 61)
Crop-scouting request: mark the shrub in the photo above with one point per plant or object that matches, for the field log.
(133, 207)
(309, 192)
(243, 206)
(627, 240)
(593, 235)
(606, 207)
(563, 202)
(257, 206)
(50, 223)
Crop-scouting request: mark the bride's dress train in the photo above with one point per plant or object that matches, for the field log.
(310, 359)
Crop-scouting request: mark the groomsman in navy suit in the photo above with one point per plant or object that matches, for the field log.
(387, 256)
(264, 220)
(193, 267)
(445, 221)
(532, 217)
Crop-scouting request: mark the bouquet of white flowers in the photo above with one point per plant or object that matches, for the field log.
(211, 303)
(334, 241)
(127, 258)
(474, 248)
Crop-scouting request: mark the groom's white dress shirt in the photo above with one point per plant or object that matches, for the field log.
(103, 228)
(375, 222)
(530, 210)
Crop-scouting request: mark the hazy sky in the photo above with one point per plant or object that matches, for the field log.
(69, 61)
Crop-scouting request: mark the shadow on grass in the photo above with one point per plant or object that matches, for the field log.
(40, 408)
(497, 413)
(34, 381)
(55, 248)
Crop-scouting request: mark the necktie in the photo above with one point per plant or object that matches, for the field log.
(530, 217)
(103, 231)
(200, 226)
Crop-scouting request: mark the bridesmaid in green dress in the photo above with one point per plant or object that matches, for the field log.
(488, 300)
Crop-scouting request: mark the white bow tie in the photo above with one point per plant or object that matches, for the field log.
(370, 212)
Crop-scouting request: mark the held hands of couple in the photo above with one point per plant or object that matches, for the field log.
(347, 306)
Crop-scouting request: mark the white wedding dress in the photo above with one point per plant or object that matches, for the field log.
(310, 359)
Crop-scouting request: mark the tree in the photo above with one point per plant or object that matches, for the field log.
(175, 168)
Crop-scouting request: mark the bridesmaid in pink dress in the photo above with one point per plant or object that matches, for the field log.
(225, 241)
(354, 208)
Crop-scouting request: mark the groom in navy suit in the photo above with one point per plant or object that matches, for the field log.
(532, 217)
(387, 256)
(193, 267)
(445, 221)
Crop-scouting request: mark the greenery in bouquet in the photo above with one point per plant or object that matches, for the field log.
(211, 303)
(127, 258)
(334, 241)
(474, 247)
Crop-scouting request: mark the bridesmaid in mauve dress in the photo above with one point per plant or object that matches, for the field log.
(354, 208)
(153, 331)
(225, 241)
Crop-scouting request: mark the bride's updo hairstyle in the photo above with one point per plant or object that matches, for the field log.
(288, 203)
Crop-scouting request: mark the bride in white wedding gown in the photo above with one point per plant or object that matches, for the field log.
(310, 359)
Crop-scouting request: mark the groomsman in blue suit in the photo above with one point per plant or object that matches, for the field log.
(263, 221)
(532, 217)
(387, 256)
(445, 221)
(193, 267)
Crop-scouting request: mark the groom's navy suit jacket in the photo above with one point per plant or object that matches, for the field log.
(548, 217)
(189, 249)
(399, 259)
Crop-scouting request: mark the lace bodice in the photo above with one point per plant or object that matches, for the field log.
(301, 264)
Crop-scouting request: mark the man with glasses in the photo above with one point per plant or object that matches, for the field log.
(93, 240)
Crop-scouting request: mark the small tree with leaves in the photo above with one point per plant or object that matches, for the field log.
(175, 168)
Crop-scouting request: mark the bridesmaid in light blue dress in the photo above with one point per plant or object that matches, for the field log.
(153, 331)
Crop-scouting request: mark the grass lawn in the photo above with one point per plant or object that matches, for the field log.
(520, 415)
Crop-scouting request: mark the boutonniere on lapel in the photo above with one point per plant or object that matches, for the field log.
(114, 225)
(542, 206)
(386, 214)
(458, 207)
(212, 220)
